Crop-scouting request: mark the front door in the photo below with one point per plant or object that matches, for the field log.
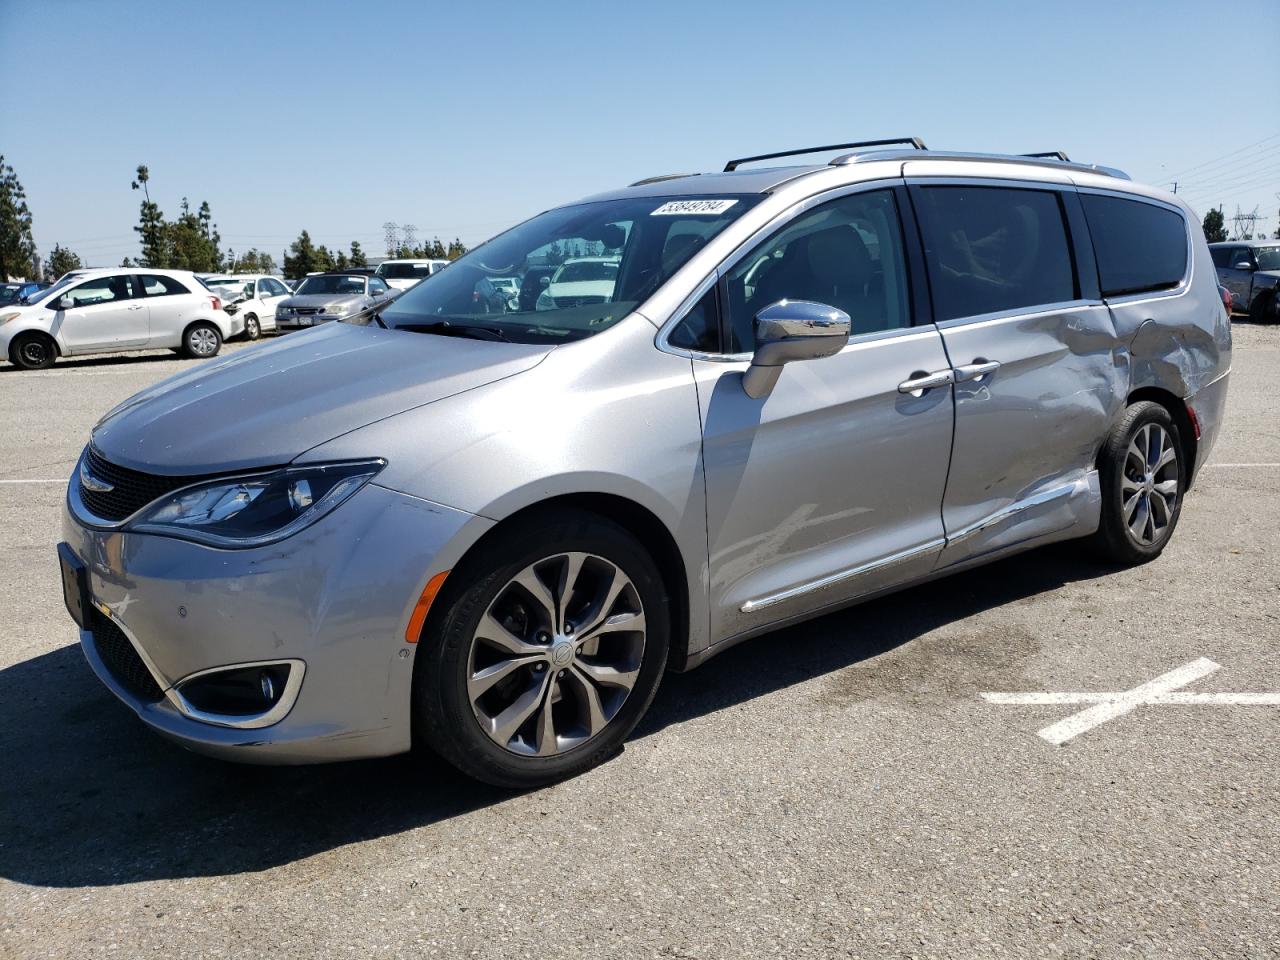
(830, 487)
(1038, 373)
(1238, 277)
(105, 316)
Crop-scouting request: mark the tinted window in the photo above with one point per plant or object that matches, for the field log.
(1221, 256)
(331, 285)
(846, 254)
(1140, 246)
(99, 290)
(157, 286)
(700, 328)
(1268, 257)
(991, 249)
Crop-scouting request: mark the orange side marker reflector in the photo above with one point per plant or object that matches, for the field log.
(414, 630)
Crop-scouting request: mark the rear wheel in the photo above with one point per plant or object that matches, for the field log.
(1143, 477)
(252, 329)
(547, 656)
(33, 351)
(201, 341)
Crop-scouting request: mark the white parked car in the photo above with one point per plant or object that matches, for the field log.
(102, 311)
(403, 274)
(580, 281)
(251, 298)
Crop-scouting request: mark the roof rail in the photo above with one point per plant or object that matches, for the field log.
(915, 142)
(1028, 159)
(1048, 155)
(661, 177)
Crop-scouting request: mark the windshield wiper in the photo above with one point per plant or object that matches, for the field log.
(447, 328)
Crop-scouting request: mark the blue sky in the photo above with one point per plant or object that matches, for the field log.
(463, 118)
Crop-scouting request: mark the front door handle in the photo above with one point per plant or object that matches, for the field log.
(920, 381)
(135, 306)
(977, 370)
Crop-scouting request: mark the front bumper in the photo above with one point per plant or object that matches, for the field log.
(336, 597)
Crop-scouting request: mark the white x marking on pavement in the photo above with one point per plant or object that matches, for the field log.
(1162, 691)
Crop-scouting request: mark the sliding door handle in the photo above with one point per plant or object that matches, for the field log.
(920, 381)
(977, 370)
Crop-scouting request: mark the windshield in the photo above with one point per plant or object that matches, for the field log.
(631, 247)
(66, 281)
(331, 285)
(1268, 258)
(9, 294)
(576, 270)
(403, 271)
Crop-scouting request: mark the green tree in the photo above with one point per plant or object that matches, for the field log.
(60, 261)
(324, 259)
(1215, 228)
(456, 249)
(300, 258)
(436, 250)
(17, 247)
(192, 241)
(358, 258)
(340, 262)
(126, 262)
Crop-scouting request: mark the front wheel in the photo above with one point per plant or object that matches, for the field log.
(546, 657)
(201, 341)
(1143, 478)
(33, 351)
(252, 329)
(1265, 308)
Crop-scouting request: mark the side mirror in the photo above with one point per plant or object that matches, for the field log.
(792, 330)
(66, 303)
(1242, 265)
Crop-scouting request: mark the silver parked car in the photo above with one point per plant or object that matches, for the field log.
(490, 530)
(325, 297)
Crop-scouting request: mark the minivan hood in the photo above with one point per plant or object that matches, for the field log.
(266, 404)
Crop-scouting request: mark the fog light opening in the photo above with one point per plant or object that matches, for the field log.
(240, 691)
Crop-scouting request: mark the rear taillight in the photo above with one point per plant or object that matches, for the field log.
(1226, 297)
(217, 304)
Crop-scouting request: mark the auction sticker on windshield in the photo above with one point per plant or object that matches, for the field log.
(674, 208)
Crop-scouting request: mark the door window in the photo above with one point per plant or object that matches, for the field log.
(993, 249)
(273, 288)
(100, 290)
(1140, 246)
(700, 328)
(845, 253)
(1222, 256)
(377, 287)
(158, 286)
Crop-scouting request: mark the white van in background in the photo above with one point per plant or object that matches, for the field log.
(403, 274)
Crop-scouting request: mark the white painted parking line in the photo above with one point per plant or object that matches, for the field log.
(1244, 465)
(63, 480)
(1162, 691)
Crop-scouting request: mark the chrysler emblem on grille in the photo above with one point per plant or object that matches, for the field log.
(90, 482)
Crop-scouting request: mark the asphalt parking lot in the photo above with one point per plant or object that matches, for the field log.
(836, 789)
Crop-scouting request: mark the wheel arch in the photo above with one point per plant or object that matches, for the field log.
(1177, 408)
(58, 346)
(636, 519)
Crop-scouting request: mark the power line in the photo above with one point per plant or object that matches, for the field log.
(1215, 160)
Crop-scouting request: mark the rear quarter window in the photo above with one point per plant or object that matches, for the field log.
(1140, 247)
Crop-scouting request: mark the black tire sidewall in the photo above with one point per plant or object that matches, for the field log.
(251, 324)
(443, 716)
(1114, 538)
(21, 340)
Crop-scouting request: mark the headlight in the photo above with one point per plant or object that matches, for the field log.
(6, 317)
(336, 310)
(284, 311)
(255, 509)
(545, 302)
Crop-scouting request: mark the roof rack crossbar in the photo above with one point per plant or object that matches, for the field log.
(1048, 155)
(915, 142)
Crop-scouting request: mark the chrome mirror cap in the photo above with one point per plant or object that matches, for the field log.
(792, 330)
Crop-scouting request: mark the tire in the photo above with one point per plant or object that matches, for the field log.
(252, 329)
(571, 685)
(1263, 308)
(1140, 506)
(200, 341)
(33, 351)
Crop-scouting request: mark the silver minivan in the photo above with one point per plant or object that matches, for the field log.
(489, 528)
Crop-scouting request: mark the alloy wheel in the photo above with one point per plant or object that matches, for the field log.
(556, 654)
(1149, 484)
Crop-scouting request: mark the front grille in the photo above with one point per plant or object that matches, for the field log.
(307, 311)
(563, 302)
(121, 660)
(130, 490)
